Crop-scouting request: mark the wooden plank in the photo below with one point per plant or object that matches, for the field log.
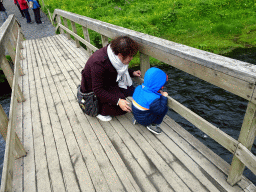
(117, 186)
(77, 55)
(42, 177)
(188, 170)
(215, 133)
(128, 159)
(98, 180)
(196, 150)
(109, 151)
(65, 150)
(246, 138)
(29, 171)
(7, 173)
(74, 63)
(81, 51)
(78, 38)
(152, 173)
(155, 161)
(53, 159)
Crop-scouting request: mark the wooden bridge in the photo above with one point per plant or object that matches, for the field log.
(58, 148)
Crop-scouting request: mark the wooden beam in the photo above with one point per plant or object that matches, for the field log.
(5, 66)
(246, 138)
(232, 75)
(75, 31)
(104, 40)
(246, 157)
(144, 64)
(3, 123)
(59, 22)
(215, 133)
(79, 38)
(87, 38)
(66, 25)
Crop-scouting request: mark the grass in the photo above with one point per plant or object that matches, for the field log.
(217, 26)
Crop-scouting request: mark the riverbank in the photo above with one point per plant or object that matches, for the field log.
(217, 26)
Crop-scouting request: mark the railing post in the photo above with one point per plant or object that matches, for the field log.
(10, 49)
(59, 21)
(5, 66)
(3, 131)
(3, 123)
(66, 25)
(104, 40)
(246, 138)
(144, 64)
(75, 31)
(87, 38)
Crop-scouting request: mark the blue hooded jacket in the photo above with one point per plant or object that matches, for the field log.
(149, 103)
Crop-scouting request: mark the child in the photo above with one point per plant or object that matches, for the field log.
(149, 103)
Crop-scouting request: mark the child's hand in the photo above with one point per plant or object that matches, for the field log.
(164, 93)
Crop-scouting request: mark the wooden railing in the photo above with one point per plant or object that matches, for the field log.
(232, 75)
(10, 37)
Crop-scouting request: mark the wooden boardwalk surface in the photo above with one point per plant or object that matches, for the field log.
(69, 151)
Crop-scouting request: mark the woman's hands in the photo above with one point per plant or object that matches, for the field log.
(124, 105)
(137, 73)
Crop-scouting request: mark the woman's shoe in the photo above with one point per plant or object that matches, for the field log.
(104, 118)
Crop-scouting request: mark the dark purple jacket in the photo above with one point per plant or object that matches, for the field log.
(99, 76)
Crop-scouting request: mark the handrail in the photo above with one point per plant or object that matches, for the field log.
(232, 75)
(13, 144)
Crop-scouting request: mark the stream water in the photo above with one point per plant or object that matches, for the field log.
(221, 108)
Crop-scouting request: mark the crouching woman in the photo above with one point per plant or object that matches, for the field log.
(106, 75)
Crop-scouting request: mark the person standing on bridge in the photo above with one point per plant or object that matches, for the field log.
(3, 11)
(149, 104)
(106, 74)
(21, 12)
(36, 8)
(24, 7)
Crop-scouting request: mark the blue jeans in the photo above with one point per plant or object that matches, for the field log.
(3, 15)
(27, 15)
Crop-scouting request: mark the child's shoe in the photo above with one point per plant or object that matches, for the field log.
(154, 128)
(104, 118)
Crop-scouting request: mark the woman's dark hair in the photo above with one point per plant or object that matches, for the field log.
(124, 45)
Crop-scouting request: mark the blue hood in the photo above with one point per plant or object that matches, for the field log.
(154, 79)
(146, 93)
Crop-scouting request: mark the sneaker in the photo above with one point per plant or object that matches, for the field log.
(104, 118)
(154, 128)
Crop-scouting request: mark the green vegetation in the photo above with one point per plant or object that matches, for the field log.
(213, 25)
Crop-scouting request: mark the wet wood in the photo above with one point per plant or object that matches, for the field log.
(81, 153)
(246, 138)
(73, 25)
(66, 25)
(87, 38)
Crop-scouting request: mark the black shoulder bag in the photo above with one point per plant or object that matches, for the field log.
(88, 102)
